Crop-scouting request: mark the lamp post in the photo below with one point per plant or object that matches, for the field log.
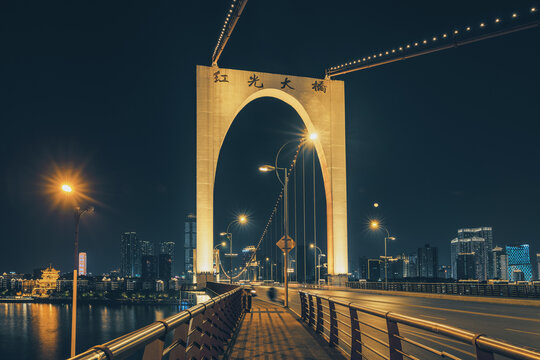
(242, 219)
(375, 226)
(78, 212)
(285, 183)
(318, 265)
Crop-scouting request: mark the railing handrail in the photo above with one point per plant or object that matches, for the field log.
(481, 341)
(127, 344)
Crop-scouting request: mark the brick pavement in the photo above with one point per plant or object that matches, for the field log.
(271, 332)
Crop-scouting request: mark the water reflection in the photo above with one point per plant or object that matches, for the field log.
(43, 331)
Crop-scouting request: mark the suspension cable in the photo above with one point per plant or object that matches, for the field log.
(459, 36)
(233, 14)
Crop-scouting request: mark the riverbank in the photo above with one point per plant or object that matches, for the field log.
(100, 301)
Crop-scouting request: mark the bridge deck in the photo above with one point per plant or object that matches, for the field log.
(271, 332)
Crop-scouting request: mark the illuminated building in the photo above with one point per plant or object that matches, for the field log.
(147, 248)
(130, 251)
(478, 241)
(47, 283)
(519, 260)
(190, 243)
(82, 263)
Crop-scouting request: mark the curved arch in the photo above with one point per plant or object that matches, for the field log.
(308, 123)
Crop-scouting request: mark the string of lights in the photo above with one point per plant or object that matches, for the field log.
(273, 214)
(458, 36)
(233, 14)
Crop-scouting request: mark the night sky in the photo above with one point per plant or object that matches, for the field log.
(442, 141)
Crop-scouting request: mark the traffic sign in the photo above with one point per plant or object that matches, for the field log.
(286, 241)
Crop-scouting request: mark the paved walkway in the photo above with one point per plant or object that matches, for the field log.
(271, 332)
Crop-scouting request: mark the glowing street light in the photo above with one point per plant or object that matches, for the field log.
(313, 136)
(66, 188)
(375, 225)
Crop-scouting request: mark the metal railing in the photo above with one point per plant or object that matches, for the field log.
(202, 331)
(531, 290)
(361, 332)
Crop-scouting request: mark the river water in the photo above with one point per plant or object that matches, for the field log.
(43, 331)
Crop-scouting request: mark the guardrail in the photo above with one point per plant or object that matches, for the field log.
(502, 290)
(202, 331)
(356, 331)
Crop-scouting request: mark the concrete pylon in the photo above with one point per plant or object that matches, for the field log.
(222, 94)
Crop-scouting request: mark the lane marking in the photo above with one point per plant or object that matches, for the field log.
(522, 331)
(425, 333)
(446, 345)
(434, 317)
(450, 310)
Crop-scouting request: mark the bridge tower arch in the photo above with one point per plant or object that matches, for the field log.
(221, 95)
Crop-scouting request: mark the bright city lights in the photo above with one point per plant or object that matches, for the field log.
(374, 224)
(313, 136)
(67, 188)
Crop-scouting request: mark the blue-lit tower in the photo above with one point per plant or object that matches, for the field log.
(519, 260)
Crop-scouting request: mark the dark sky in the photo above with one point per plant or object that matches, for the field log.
(442, 141)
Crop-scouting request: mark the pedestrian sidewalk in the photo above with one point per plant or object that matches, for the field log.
(271, 332)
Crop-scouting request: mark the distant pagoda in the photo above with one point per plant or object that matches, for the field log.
(47, 284)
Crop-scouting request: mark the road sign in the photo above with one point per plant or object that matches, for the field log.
(290, 243)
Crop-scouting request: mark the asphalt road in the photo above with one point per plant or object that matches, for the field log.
(516, 324)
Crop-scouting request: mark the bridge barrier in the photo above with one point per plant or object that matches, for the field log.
(531, 290)
(202, 331)
(361, 332)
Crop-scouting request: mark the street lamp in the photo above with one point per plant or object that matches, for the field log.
(375, 225)
(78, 212)
(285, 182)
(312, 246)
(242, 219)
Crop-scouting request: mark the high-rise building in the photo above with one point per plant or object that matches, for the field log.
(82, 263)
(465, 266)
(167, 247)
(428, 262)
(519, 260)
(130, 250)
(538, 266)
(412, 268)
(165, 267)
(478, 241)
(363, 267)
(190, 244)
(148, 267)
(374, 269)
(500, 263)
(395, 268)
(147, 248)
